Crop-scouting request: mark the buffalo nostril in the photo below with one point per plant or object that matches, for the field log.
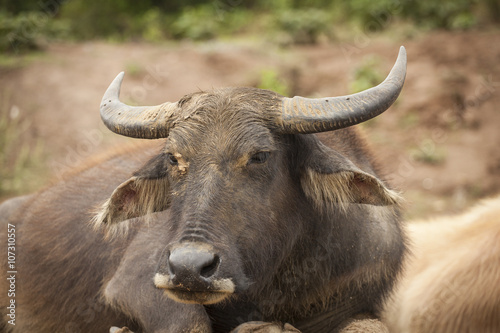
(211, 268)
(191, 262)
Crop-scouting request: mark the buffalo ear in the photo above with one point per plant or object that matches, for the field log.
(146, 192)
(331, 179)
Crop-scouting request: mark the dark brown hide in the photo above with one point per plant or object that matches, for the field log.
(305, 233)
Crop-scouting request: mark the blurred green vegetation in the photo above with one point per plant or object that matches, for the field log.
(271, 80)
(427, 152)
(444, 14)
(366, 75)
(26, 25)
(28, 31)
(304, 26)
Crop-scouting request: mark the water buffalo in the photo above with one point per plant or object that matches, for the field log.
(452, 281)
(242, 220)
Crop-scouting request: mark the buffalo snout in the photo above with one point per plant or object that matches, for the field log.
(190, 273)
(192, 264)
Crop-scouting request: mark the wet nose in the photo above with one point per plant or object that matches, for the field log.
(192, 263)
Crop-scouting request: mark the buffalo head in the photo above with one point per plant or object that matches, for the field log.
(242, 182)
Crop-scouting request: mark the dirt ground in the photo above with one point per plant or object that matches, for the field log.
(439, 143)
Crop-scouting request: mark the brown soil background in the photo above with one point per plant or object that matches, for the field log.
(439, 143)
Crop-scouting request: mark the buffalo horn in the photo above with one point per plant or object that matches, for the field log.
(306, 115)
(145, 122)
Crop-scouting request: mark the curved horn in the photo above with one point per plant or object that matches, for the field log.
(146, 122)
(306, 115)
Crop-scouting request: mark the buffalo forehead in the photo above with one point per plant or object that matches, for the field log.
(224, 128)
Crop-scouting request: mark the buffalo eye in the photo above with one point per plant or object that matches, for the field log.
(259, 158)
(172, 160)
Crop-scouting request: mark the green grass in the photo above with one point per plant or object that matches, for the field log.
(27, 25)
(134, 69)
(304, 26)
(12, 61)
(429, 153)
(270, 79)
(367, 75)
